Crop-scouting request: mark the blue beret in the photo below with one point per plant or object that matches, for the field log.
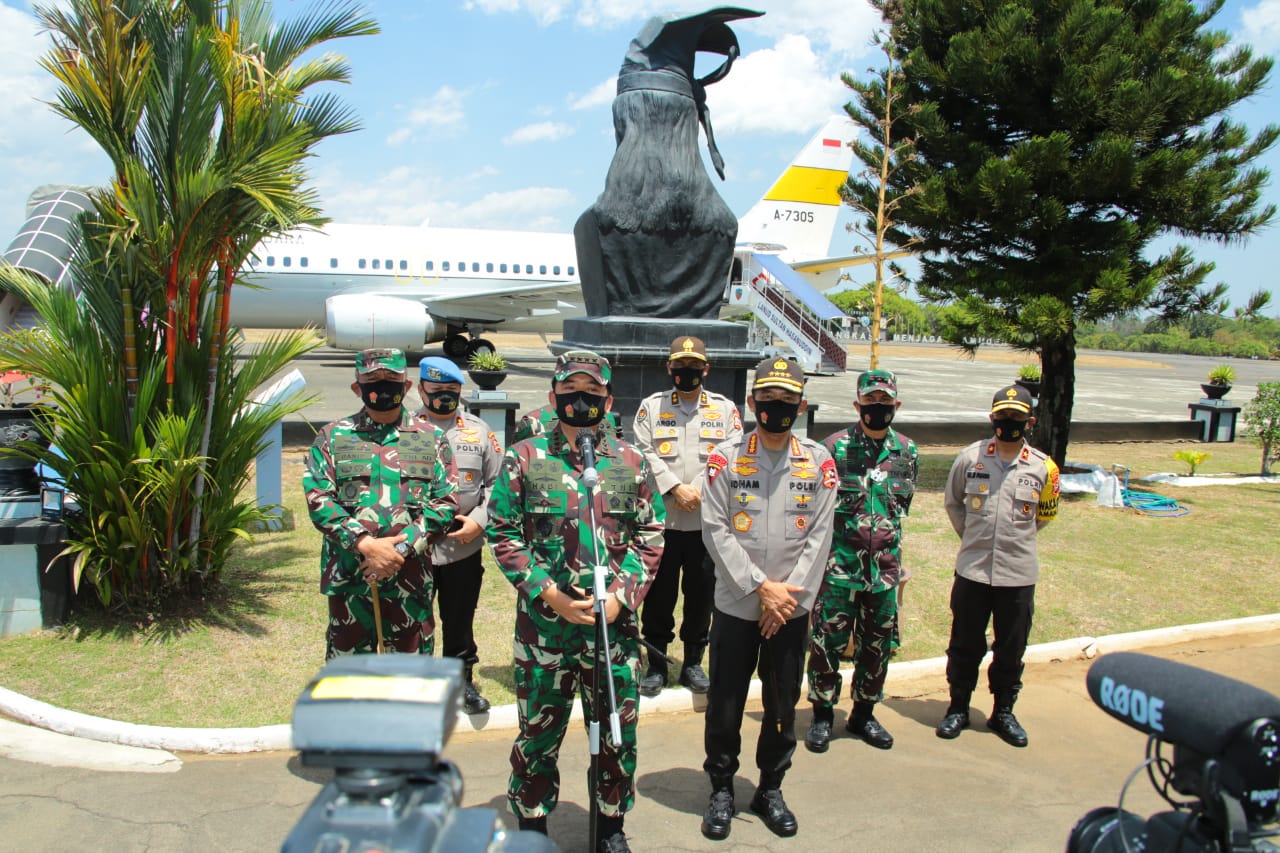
(437, 369)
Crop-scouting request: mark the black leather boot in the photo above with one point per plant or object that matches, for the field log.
(768, 803)
(472, 701)
(692, 674)
(863, 724)
(655, 678)
(957, 716)
(717, 820)
(818, 738)
(1004, 723)
(612, 838)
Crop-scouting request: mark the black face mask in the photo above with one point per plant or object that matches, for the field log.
(687, 378)
(776, 415)
(382, 396)
(1009, 429)
(877, 416)
(443, 402)
(580, 409)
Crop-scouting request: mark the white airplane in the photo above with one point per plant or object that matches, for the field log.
(405, 287)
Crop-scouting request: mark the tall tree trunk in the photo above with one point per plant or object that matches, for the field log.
(1057, 396)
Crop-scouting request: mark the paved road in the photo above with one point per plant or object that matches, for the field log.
(935, 384)
(972, 794)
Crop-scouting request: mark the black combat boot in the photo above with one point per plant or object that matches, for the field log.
(655, 678)
(957, 716)
(768, 803)
(692, 674)
(532, 824)
(612, 838)
(717, 820)
(472, 701)
(1004, 723)
(862, 724)
(818, 738)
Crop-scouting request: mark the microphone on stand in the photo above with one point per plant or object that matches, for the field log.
(586, 442)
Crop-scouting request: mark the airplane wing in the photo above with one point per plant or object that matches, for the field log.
(827, 264)
(511, 303)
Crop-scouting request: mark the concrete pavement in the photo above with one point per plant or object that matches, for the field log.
(975, 793)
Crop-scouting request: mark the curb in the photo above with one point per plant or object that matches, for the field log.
(670, 701)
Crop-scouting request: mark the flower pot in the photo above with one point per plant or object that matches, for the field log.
(487, 380)
(1215, 392)
(17, 474)
(1032, 386)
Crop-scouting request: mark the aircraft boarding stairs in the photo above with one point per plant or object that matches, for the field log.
(792, 310)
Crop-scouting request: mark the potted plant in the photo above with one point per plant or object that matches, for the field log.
(487, 369)
(1220, 379)
(18, 429)
(1029, 378)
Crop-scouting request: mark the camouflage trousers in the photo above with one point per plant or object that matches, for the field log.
(872, 617)
(546, 681)
(408, 625)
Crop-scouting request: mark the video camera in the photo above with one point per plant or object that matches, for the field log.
(381, 721)
(1226, 754)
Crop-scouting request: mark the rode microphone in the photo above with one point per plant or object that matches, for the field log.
(1176, 702)
(586, 442)
(1225, 733)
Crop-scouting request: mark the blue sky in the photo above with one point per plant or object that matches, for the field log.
(496, 113)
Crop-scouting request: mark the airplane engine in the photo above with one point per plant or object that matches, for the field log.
(354, 321)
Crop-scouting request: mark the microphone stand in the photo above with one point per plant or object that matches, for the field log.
(603, 695)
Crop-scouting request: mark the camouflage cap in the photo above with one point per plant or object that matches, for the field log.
(687, 346)
(878, 380)
(1012, 398)
(779, 372)
(583, 361)
(437, 369)
(380, 358)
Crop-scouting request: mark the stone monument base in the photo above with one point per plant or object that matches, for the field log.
(638, 347)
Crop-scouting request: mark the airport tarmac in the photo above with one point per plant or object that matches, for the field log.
(971, 794)
(935, 383)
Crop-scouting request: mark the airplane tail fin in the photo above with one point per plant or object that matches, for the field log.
(798, 215)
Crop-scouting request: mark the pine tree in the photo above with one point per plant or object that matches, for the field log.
(1055, 140)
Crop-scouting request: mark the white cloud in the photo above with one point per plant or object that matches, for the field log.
(36, 146)
(443, 113)
(777, 90)
(543, 131)
(600, 95)
(1261, 26)
(839, 25)
(543, 11)
(407, 195)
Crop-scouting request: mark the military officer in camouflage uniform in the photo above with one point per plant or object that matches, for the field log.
(859, 596)
(543, 419)
(1000, 492)
(536, 514)
(456, 565)
(380, 486)
(766, 520)
(677, 429)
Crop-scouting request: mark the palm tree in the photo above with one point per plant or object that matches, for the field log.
(203, 109)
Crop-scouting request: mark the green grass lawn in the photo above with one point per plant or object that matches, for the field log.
(242, 657)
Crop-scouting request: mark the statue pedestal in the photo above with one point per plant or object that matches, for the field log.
(637, 348)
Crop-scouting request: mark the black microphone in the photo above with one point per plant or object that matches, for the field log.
(1177, 703)
(586, 442)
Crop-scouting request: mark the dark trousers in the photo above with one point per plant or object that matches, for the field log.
(1009, 608)
(685, 568)
(458, 591)
(738, 652)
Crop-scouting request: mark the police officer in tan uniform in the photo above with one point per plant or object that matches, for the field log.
(677, 429)
(1000, 492)
(455, 559)
(767, 519)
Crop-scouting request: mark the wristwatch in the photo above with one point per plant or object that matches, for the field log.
(403, 549)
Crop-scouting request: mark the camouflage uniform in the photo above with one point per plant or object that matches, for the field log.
(380, 479)
(859, 589)
(537, 541)
(542, 420)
